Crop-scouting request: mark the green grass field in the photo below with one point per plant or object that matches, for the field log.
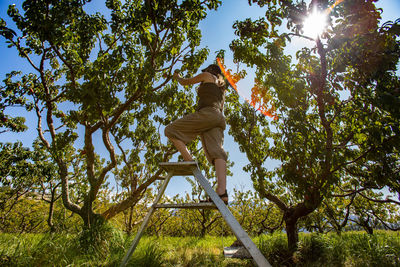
(349, 249)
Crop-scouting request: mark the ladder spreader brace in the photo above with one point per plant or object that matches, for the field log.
(190, 168)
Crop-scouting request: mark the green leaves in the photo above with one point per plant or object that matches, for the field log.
(94, 77)
(328, 102)
(14, 93)
(5, 31)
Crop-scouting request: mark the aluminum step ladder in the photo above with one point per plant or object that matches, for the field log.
(190, 168)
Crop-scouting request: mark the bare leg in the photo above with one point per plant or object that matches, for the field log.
(220, 169)
(182, 149)
(220, 166)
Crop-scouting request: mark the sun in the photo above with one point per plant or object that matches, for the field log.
(314, 24)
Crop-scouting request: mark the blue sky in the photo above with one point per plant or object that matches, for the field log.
(217, 34)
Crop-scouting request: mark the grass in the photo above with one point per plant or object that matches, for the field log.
(187, 251)
(348, 249)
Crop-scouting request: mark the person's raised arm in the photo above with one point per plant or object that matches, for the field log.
(202, 77)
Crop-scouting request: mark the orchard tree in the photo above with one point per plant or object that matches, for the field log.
(49, 186)
(17, 178)
(197, 222)
(332, 215)
(370, 208)
(363, 212)
(134, 216)
(333, 102)
(337, 211)
(256, 215)
(22, 172)
(99, 84)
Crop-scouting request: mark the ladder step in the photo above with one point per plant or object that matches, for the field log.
(236, 252)
(201, 205)
(179, 168)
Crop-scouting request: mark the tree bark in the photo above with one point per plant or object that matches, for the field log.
(293, 214)
(292, 233)
(50, 217)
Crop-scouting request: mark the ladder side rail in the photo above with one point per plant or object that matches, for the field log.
(231, 221)
(144, 224)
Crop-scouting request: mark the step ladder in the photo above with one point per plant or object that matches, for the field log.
(190, 168)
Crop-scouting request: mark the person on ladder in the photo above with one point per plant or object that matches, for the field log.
(208, 122)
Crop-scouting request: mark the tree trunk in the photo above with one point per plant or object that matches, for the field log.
(338, 231)
(129, 226)
(292, 233)
(53, 200)
(88, 216)
(368, 228)
(203, 229)
(50, 217)
(293, 214)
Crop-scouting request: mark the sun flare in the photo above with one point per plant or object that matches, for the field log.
(314, 24)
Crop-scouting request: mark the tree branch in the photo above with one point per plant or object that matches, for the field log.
(135, 196)
(388, 200)
(384, 223)
(363, 155)
(18, 45)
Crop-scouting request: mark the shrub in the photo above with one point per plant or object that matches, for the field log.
(275, 249)
(151, 255)
(100, 240)
(311, 249)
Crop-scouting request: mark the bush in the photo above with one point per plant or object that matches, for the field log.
(152, 255)
(311, 249)
(63, 249)
(275, 249)
(100, 240)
